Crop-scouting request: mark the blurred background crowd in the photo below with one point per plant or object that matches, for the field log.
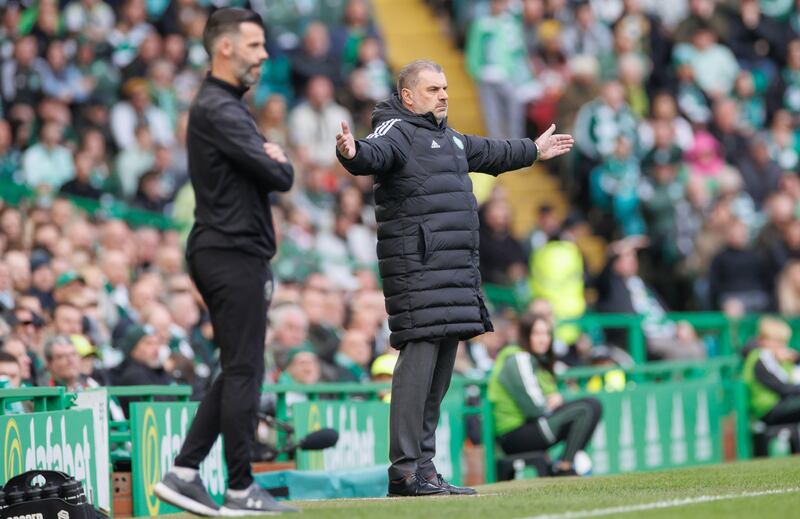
(685, 115)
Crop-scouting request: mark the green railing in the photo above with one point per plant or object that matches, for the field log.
(109, 208)
(44, 398)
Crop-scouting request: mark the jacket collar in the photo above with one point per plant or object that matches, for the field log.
(234, 90)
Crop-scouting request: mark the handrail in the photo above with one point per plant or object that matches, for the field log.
(44, 398)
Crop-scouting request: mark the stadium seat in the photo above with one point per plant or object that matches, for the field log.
(763, 434)
(539, 460)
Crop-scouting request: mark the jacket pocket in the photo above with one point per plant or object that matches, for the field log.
(425, 242)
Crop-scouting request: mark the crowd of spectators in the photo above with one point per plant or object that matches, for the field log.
(687, 160)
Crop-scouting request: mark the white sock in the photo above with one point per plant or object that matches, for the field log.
(185, 473)
(238, 493)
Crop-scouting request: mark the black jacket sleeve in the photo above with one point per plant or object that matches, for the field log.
(769, 375)
(495, 156)
(235, 133)
(381, 152)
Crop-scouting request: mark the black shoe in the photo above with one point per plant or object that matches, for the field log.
(415, 485)
(257, 501)
(564, 472)
(440, 482)
(191, 496)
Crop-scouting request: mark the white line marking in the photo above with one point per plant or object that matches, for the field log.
(661, 504)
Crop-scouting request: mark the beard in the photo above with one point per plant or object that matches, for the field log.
(246, 75)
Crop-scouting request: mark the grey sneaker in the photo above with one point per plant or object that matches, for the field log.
(191, 496)
(257, 501)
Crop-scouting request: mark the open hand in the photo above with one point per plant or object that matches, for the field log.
(345, 143)
(275, 152)
(551, 146)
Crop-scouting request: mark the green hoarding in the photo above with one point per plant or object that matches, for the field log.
(364, 435)
(62, 440)
(657, 426)
(157, 432)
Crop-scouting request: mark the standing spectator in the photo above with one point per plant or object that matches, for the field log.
(313, 124)
(586, 35)
(497, 61)
(48, 162)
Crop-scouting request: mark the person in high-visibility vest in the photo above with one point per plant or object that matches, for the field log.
(772, 375)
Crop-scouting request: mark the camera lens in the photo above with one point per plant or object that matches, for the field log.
(72, 492)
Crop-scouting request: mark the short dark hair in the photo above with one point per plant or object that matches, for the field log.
(224, 21)
(6, 357)
(408, 75)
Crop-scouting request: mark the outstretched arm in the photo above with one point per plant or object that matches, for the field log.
(495, 156)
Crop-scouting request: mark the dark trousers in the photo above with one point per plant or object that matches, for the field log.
(233, 286)
(420, 381)
(787, 411)
(574, 423)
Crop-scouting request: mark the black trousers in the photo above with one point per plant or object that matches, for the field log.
(574, 422)
(234, 286)
(420, 381)
(786, 411)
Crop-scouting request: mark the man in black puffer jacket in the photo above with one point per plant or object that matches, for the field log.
(428, 251)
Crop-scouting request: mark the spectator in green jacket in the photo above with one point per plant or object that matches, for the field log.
(771, 374)
(529, 412)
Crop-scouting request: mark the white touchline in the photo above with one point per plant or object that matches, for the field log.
(660, 504)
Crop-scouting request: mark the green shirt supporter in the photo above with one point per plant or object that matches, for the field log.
(761, 371)
(518, 389)
(598, 126)
(496, 52)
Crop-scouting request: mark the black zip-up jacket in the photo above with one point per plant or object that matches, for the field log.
(428, 219)
(231, 173)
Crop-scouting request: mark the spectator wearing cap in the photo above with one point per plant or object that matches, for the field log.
(302, 367)
(69, 284)
(42, 279)
(143, 364)
(622, 290)
(48, 162)
(382, 370)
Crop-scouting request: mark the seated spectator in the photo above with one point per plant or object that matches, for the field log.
(48, 162)
(81, 185)
(769, 374)
(347, 37)
(288, 329)
(587, 35)
(60, 79)
(783, 141)
(761, 175)
(714, 65)
(354, 357)
(739, 272)
(92, 18)
(621, 290)
(15, 347)
(143, 364)
(788, 290)
(67, 320)
(133, 162)
(139, 110)
(530, 414)
(150, 195)
(314, 123)
(10, 371)
(726, 128)
(503, 260)
(302, 367)
(664, 110)
(64, 365)
(784, 90)
(323, 337)
(42, 279)
(314, 58)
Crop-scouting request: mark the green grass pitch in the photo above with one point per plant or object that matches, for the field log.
(763, 489)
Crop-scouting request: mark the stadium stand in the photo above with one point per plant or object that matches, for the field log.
(673, 226)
